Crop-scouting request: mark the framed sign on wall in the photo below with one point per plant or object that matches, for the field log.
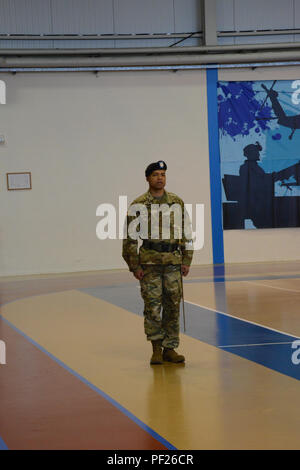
(18, 181)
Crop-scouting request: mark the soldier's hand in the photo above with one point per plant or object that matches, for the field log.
(185, 270)
(139, 274)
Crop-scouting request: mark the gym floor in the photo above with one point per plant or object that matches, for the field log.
(77, 372)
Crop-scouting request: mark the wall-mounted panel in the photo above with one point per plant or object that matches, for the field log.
(264, 39)
(88, 17)
(26, 44)
(143, 43)
(296, 13)
(188, 16)
(226, 41)
(267, 14)
(83, 44)
(142, 16)
(225, 15)
(25, 17)
(191, 42)
(157, 42)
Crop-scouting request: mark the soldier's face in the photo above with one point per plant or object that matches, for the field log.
(157, 179)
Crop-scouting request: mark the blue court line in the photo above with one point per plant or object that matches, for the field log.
(214, 166)
(277, 357)
(217, 328)
(131, 416)
(3, 446)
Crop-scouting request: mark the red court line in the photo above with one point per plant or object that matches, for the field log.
(43, 406)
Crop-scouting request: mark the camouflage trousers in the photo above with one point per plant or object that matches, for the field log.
(161, 290)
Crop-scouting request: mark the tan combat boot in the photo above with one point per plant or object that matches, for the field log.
(157, 352)
(170, 355)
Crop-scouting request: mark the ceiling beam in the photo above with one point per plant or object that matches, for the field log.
(210, 22)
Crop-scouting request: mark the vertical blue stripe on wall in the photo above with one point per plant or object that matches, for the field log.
(214, 165)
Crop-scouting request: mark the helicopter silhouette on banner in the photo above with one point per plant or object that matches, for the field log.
(293, 122)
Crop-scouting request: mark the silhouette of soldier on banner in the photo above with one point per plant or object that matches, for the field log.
(257, 194)
(253, 190)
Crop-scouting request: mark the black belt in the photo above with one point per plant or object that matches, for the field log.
(160, 246)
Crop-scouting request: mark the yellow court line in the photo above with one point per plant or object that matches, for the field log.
(216, 401)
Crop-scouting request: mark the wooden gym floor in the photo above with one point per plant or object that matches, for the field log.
(77, 372)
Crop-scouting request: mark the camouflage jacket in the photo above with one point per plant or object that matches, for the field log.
(135, 258)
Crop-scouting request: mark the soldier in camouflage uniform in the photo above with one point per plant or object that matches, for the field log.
(160, 262)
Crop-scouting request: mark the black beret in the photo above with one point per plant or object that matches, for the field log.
(160, 165)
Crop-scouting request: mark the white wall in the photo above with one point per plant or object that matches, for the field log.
(86, 140)
(263, 244)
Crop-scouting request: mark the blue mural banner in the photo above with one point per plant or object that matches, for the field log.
(259, 137)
